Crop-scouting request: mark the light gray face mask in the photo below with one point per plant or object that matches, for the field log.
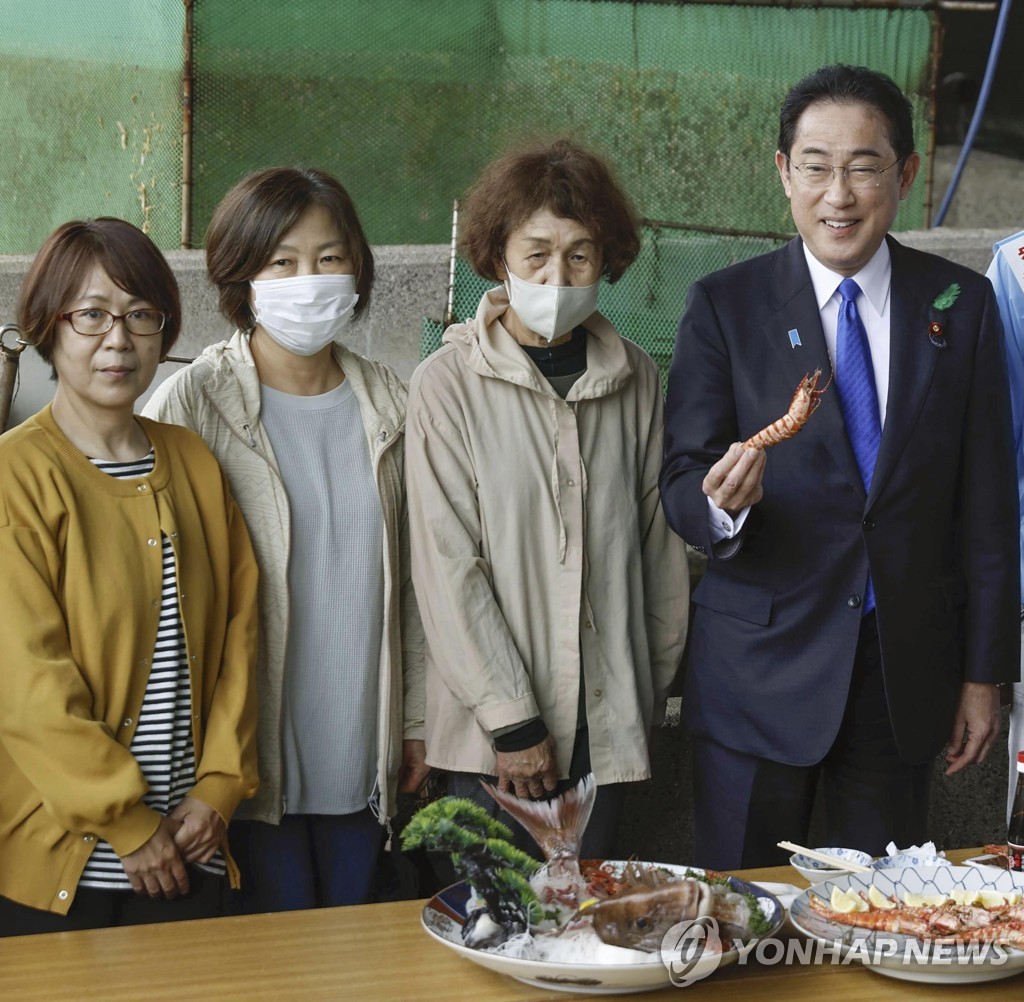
(304, 313)
(551, 310)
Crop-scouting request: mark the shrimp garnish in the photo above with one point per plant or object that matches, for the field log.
(948, 923)
(804, 403)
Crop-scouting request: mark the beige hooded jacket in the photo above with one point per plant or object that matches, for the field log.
(218, 396)
(539, 544)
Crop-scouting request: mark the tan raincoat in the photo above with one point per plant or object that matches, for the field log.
(539, 544)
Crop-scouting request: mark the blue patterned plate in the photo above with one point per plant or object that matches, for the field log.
(907, 957)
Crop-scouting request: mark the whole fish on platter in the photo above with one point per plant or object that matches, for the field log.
(632, 909)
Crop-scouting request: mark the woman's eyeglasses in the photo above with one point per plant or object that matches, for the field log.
(95, 323)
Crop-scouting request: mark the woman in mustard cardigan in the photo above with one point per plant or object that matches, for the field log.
(128, 591)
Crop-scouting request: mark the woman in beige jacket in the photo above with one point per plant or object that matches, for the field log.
(554, 596)
(310, 436)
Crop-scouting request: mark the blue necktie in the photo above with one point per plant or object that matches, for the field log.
(855, 381)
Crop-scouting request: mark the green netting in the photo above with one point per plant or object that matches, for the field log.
(646, 303)
(406, 100)
(90, 116)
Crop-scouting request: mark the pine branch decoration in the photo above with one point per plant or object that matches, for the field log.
(481, 854)
(945, 299)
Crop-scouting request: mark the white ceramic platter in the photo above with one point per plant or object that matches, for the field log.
(905, 957)
(445, 913)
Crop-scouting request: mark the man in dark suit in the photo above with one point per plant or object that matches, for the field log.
(859, 606)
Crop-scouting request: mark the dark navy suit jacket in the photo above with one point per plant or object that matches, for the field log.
(778, 616)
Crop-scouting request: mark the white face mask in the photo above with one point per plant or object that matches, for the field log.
(304, 313)
(551, 310)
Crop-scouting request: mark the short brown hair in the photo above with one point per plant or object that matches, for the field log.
(122, 250)
(570, 181)
(256, 213)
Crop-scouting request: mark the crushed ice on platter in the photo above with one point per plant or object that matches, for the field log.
(576, 946)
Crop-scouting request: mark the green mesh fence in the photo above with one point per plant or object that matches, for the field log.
(405, 100)
(90, 117)
(646, 303)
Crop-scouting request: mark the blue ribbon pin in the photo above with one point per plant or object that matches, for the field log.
(794, 338)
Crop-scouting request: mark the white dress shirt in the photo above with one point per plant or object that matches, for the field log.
(873, 307)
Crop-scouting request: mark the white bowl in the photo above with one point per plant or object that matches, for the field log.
(815, 872)
(905, 859)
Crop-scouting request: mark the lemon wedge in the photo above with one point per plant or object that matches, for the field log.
(846, 901)
(912, 900)
(879, 900)
(962, 896)
(991, 899)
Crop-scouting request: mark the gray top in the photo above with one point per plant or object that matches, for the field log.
(336, 584)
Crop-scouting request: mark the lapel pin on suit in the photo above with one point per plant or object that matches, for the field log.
(937, 315)
(794, 338)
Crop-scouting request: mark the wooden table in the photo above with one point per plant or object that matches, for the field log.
(374, 952)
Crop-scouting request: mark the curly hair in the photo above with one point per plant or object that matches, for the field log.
(63, 263)
(561, 176)
(256, 213)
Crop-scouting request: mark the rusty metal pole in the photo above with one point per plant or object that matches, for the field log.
(8, 373)
(186, 131)
(931, 94)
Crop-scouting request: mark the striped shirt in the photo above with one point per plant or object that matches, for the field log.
(162, 743)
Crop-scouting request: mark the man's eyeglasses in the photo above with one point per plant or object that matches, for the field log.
(814, 175)
(95, 323)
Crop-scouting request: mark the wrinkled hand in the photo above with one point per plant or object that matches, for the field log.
(202, 830)
(156, 867)
(734, 482)
(530, 772)
(415, 770)
(975, 726)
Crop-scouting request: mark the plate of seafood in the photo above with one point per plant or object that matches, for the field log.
(578, 957)
(600, 927)
(937, 925)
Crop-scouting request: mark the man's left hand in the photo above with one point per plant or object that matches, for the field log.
(975, 726)
(415, 770)
(202, 830)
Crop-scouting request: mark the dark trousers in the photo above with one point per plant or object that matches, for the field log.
(94, 909)
(599, 837)
(744, 805)
(307, 861)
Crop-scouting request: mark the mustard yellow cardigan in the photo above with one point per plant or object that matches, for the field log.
(80, 589)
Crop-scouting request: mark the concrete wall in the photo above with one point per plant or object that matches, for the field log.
(966, 810)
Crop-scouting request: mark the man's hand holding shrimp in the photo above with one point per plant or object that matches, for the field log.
(734, 482)
(531, 772)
